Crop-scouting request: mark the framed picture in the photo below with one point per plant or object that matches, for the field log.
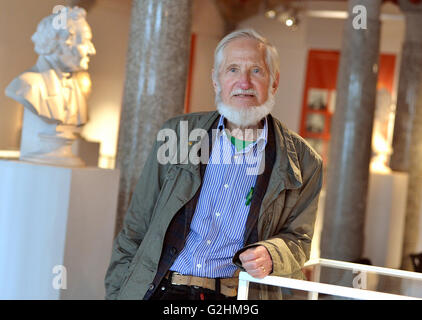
(319, 97)
(315, 122)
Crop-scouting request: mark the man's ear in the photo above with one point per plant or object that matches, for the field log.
(214, 81)
(276, 82)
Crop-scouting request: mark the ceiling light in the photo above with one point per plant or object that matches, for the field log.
(271, 14)
(289, 19)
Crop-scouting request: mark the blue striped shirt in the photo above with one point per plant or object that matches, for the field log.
(218, 225)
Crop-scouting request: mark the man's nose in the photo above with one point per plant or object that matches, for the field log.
(245, 81)
(92, 50)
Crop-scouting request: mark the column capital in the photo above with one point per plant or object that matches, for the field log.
(373, 7)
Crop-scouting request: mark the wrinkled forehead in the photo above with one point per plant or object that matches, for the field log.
(244, 50)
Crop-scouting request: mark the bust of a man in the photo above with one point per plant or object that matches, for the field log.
(51, 93)
(49, 89)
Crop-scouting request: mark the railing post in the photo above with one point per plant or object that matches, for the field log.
(243, 288)
(316, 273)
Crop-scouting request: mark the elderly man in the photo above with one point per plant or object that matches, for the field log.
(191, 227)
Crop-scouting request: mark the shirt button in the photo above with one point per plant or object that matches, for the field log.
(198, 265)
(226, 186)
(151, 286)
(208, 241)
(218, 214)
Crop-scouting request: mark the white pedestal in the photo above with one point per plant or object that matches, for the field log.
(46, 142)
(33, 126)
(54, 216)
(385, 218)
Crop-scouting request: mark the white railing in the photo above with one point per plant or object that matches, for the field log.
(363, 267)
(314, 287)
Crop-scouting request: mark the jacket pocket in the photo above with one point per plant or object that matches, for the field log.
(125, 279)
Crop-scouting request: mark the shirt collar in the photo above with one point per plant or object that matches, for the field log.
(260, 142)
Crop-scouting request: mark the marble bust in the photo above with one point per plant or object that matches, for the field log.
(51, 93)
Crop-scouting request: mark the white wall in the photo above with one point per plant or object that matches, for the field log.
(18, 21)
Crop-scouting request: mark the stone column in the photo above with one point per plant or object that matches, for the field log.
(351, 133)
(409, 86)
(156, 74)
(407, 139)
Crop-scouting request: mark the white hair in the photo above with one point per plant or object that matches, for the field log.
(244, 117)
(47, 36)
(271, 54)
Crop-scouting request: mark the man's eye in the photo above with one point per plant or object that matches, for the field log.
(232, 69)
(256, 70)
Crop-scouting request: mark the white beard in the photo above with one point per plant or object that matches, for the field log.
(245, 116)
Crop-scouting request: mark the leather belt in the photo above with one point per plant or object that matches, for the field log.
(228, 286)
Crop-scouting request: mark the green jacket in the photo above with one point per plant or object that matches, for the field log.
(285, 224)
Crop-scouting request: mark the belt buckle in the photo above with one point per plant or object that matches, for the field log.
(169, 276)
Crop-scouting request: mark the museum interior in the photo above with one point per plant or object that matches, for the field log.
(350, 84)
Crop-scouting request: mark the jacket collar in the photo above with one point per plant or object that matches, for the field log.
(206, 122)
(286, 163)
(286, 167)
(286, 173)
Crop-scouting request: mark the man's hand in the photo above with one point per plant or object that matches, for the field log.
(257, 261)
